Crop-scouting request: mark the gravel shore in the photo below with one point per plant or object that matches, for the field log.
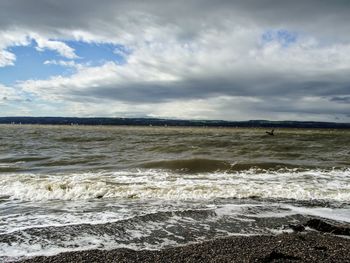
(287, 247)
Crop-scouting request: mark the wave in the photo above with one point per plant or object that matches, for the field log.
(190, 165)
(84, 139)
(333, 185)
(198, 165)
(15, 159)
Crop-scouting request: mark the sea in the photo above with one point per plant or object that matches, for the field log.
(69, 188)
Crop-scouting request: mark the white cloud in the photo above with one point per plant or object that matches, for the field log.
(7, 58)
(232, 53)
(8, 94)
(60, 47)
(63, 63)
(8, 39)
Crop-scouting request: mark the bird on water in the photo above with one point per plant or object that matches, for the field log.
(270, 132)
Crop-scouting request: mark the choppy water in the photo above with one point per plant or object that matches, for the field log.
(66, 188)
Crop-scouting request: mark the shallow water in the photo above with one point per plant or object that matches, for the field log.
(66, 188)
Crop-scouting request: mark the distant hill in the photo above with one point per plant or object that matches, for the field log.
(170, 122)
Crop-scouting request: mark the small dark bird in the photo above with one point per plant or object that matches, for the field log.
(270, 133)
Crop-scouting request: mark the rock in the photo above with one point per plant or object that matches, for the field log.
(275, 256)
(325, 227)
(296, 228)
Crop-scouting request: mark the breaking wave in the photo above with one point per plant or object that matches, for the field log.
(198, 165)
(333, 185)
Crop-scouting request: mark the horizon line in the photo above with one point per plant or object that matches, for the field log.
(175, 119)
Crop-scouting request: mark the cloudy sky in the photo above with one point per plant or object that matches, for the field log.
(191, 59)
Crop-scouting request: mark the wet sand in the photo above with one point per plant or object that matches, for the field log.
(288, 247)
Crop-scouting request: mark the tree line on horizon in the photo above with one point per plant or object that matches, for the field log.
(169, 122)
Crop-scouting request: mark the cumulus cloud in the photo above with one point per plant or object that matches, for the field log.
(168, 70)
(8, 94)
(60, 47)
(63, 63)
(202, 59)
(6, 58)
(9, 39)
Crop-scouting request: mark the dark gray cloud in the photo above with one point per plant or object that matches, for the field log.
(319, 17)
(155, 92)
(342, 99)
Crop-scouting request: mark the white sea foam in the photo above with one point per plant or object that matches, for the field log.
(338, 214)
(29, 246)
(11, 252)
(333, 185)
(272, 210)
(19, 222)
(139, 230)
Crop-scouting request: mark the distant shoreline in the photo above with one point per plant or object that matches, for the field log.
(171, 122)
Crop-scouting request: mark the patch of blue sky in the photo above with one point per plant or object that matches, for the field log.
(284, 37)
(30, 63)
(96, 54)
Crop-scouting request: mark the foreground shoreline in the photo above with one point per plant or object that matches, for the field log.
(287, 247)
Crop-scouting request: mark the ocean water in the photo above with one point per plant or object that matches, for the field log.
(66, 188)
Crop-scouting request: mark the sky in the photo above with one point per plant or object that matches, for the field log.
(193, 59)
